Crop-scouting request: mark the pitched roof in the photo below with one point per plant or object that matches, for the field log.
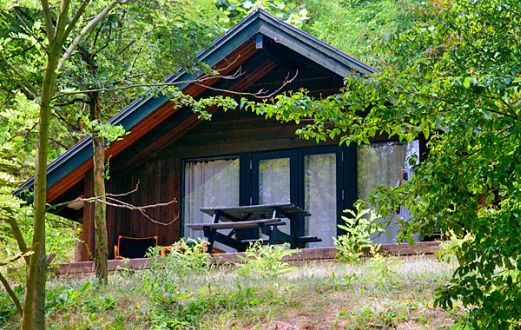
(257, 23)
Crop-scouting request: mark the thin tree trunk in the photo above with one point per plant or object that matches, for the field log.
(101, 252)
(34, 304)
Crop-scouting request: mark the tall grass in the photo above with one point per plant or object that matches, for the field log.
(387, 292)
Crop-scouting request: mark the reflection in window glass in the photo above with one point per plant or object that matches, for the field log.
(385, 164)
(274, 181)
(320, 197)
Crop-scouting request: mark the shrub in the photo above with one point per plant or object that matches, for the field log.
(264, 261)
(358, 229)
(183, 257)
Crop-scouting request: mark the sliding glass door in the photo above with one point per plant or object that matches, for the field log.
(305, 177)
(321, 180)
(272, 177)
(274, 181)
(320, 197)
(208, 183)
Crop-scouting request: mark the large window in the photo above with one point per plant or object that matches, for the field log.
(208, 183)
(320, 197)
(385, 164)
(322, 180)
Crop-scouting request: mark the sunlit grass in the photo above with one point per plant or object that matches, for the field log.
(381, 292)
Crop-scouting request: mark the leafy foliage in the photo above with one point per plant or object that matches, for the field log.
(294, 13)
(183, 257)
(264, 261)
(358, 229)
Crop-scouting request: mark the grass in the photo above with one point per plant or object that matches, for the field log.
(377, 293)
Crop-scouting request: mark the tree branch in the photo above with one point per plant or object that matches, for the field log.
(162, 84)
(47, 16)
(11, 294)
(18, 236)
(84, 31)
(112, 201)
(21, 81)
(261, 94)
(76, 17)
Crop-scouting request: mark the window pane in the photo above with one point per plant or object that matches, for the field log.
(274, 184)
(385, 164)
(274, 181)
(209, 184)
(320, 197)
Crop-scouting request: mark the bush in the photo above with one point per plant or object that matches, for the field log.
(264, 261)
(358, 229)
(183, 257)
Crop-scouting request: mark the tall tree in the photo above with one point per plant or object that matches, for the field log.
(58, 23)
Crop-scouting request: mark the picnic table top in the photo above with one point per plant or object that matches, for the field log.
(235, 224)
(256, 212)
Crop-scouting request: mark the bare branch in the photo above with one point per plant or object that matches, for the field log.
(78, 99)
(84, 31)
(133, 207)
(126, 193)
(15, 258)
(163, 84)
(141, 209)
(261, 94)
(114, 202)
(75, 18)
(11, 294)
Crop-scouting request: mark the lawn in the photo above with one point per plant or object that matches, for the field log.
(379, 292)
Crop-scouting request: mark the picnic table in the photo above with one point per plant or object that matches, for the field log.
(266, 217)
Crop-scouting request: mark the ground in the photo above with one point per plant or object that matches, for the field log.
(377, 293)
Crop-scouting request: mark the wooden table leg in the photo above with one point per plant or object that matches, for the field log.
(210, 234)
(293, 233)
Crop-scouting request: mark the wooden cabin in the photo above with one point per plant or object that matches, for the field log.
(237, 158)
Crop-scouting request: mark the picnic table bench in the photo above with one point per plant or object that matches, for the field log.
(267, 218)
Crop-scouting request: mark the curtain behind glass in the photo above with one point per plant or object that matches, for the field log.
(274, 184)
(209, 184)
(274, 181)
(320, 197)
(385, 164)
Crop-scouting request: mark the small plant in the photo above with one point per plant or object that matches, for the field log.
(358, 229)
(264, 261)
(383, 272)
(337, 283)
(183, 257)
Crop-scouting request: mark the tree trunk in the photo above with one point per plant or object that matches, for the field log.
(34, 304)
(101, 251)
